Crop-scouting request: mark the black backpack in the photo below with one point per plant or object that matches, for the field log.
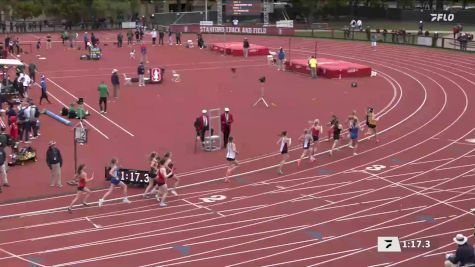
(21, 115)
(37, 112)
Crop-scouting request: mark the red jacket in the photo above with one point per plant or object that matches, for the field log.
(201, 123)
(14, 128)
(223, 121)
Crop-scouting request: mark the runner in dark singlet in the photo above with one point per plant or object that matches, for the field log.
(336, 137)
(152, 174)
(82, 189)
(316, 129)
(284, 144)
(333, 124)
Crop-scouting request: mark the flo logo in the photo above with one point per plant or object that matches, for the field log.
(442, 17)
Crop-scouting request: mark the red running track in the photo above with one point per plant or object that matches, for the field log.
(325, 213)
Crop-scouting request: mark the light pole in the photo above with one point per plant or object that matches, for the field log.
(206, 10)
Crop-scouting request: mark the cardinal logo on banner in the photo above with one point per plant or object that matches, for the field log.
(156, 75)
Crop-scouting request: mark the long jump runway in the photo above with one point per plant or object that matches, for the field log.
(414, 184)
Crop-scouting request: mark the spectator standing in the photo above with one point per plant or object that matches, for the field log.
(281, 59)
(245, 46)
(130, 35)
(38, 44)
(161, 35)
(313, 67)
(34, 120)
(49, 44)
(55, 163)
(103, 95)
(464, 255)
(141, 32)
(5, 138)
(226, 121)
(154, 36)
(141, 73)
(178, 38)
(373, 41)
(143, 52)
(86, 40)
(119, 39)
(170, 33)
(137, 36)
(115, 83)
(201, 42)
(421, 26)
(32, 71)
(24, 121)
(26, 84)
(3, 167)
(44, 94)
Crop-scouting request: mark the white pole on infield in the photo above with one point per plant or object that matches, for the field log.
(206, 10)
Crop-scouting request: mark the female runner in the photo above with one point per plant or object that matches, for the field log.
(316, 129)
(231, 157)
(161, 183)
(152, 174)
(336, 137)
(171, 172)
(354, 131)
(115, 181)
(371, 122)
(306, 138)
(81, 175)
(284, 144)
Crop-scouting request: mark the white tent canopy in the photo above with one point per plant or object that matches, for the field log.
(10, 62)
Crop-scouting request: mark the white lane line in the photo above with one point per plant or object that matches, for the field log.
(401, 224)
(381, 264)
(95, 225)
(379, 200)
(100, 114)
(23, 259)
(419, 192)
(379, 213)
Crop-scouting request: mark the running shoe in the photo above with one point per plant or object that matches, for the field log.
(163, 204)
(174, 192)
(101, 201)
(70, 210)
(126, 200)
(85, 204)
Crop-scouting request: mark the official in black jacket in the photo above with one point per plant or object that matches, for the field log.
(115, 83)
(55, 162)
(464, 255)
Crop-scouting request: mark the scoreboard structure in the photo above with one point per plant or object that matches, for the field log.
(244, 7)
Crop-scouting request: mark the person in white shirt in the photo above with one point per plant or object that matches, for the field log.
(26, 84)
(235, 22)
(154, 36)
(359, 25)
